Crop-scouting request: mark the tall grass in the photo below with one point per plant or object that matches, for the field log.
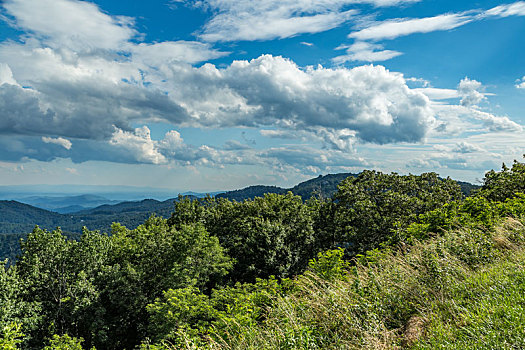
(462, 290)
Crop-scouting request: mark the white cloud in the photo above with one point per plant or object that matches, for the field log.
(235, 20)
(507, 10)
(438, 94)
(302, 156)
(365, 52)
(139, 144)
(6, 75)
(465, 147)
(58, 141)
(469, 91)
(457, 119)
(78, 25)
(521, 83)
(459, 147)
(370, 100)
(395, 28)
(165, 52)
(497, 123)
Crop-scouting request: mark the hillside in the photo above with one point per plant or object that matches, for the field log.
(250, 192)
(323, 186)
(17, 217)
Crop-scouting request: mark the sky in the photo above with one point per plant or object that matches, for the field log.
(211, 95)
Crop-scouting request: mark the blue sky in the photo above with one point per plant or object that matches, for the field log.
(221, 94)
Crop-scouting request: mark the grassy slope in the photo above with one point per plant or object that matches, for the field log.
(462, 290)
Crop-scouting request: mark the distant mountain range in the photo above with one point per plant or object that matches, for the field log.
(17, 219)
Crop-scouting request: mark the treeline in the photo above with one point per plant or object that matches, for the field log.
(250, 274)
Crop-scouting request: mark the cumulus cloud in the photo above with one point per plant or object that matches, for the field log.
(86, 99)
(496, 123)
(367, 52)
(456, 119)
(139, 144)
(465, 147)
(370, 100)
(459, 147)
(317, 160)
(469, 91)
(58, 141)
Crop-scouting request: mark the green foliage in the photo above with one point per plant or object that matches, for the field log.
(488, 312)
(430, 297)
(98, 287)
(149, 260)
(64, 342)
(185, 315)
(473, 212)
(180, 309)
(372, 205)
(11, 336)
(498, 186)
(266, 236)
(10, 246)
(330, 265)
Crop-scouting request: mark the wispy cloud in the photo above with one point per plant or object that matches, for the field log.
(365, 52)
(57, 141)
(395, 28)
(235, 20)
(399, 27)
(507, 10)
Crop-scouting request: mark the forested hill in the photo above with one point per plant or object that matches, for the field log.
(321, 186)
(17, 217)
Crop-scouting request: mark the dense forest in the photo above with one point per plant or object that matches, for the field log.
(387, 261)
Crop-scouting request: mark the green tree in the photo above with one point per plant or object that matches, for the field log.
(58, 275)
(270, 235)
(148, 260)
(370, 206)
(498, 186)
